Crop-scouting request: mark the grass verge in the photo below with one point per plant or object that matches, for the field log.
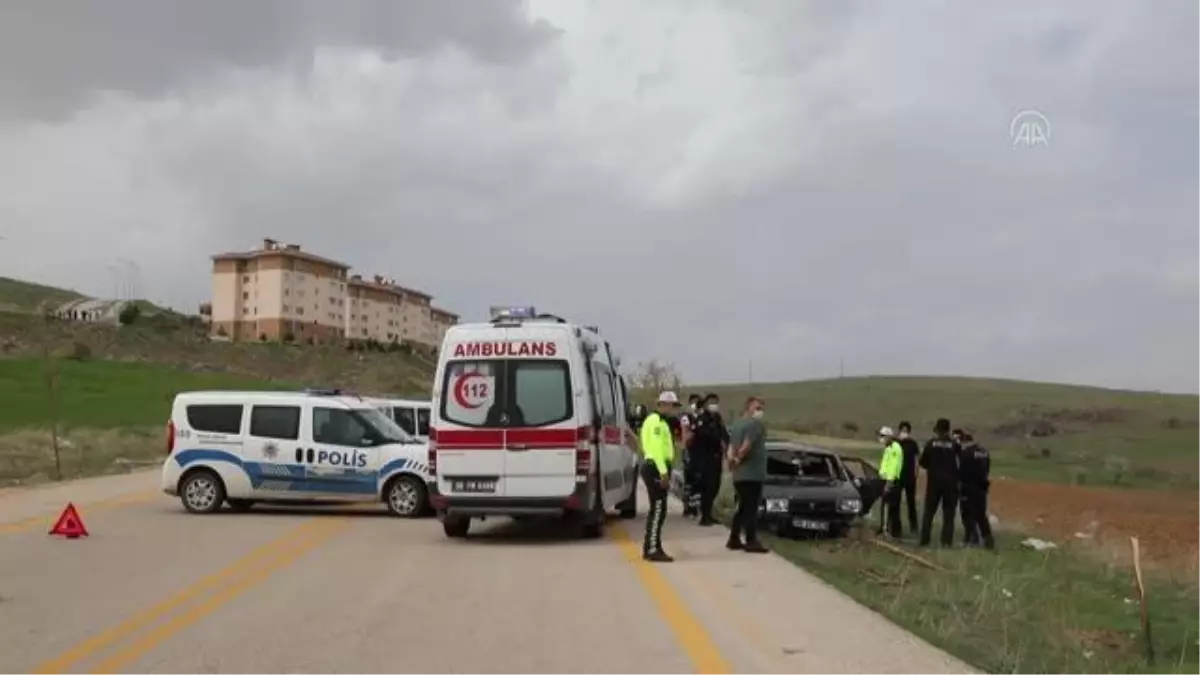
(27, 456)
(1015, 610)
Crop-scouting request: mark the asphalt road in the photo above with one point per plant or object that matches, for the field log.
(349, 589)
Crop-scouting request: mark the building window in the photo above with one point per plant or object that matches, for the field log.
(286, 292)
(286, 308)
(245, 295)
(300, 311)
(245, 311)
(245, 278)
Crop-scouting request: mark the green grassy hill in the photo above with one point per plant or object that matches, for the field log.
(1053, 432)
(23, 296)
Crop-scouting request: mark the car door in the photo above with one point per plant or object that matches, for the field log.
(613, 465)
(865, 478)
(274, 453)
(337, 465)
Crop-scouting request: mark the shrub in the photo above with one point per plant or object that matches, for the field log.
(129, 314)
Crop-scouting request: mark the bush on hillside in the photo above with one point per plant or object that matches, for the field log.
(129, 314)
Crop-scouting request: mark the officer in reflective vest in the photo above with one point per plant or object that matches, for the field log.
(889, 471)
(658, 451)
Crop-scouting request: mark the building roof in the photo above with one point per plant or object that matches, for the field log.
(273, 248)
(444, 312)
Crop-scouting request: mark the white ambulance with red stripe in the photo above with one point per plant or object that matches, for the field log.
(530, 418)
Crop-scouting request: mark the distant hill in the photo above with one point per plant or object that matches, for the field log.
(1037, 430)
(24, 296)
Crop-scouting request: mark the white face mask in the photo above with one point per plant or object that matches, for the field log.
(757, 414)
(713, 407)
(903, 434)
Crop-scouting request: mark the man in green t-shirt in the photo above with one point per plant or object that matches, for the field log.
(748, 462)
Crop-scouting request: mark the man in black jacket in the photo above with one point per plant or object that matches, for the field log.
(940, 461)
(691, 477)
(710, 440)
(974, 470)
(908, 472)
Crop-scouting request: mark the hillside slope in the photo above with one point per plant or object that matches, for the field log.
(24, 296)
(1053, 432)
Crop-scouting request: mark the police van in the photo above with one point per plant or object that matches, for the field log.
(410, 415)
(241, 447)
(530, 419)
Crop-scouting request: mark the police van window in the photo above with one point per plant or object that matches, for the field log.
(338, 426)
(604, 389)
(215, 418)
(422, 421)
(507, 392)
(275, 421)
(405, 419)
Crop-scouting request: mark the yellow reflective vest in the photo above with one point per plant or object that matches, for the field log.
(892, 462)
(657, 445)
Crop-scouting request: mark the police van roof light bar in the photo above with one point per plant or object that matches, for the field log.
(330, 392)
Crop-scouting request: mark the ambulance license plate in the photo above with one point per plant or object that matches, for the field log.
(474, 485)
(805, 524)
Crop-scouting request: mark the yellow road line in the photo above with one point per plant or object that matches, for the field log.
(691, 635)
(117, 662)
(47, 519)
(102, 640)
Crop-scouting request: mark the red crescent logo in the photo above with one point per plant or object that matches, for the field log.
(460, 390)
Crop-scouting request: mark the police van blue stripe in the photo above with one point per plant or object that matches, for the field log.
(297, 477)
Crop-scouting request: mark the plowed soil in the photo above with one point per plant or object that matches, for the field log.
(1167, 523)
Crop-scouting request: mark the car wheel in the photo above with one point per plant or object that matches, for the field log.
(406, 497)
(202, 492)
(240, 505)
(456, 528)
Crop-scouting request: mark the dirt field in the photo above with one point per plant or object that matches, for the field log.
(1166, 522)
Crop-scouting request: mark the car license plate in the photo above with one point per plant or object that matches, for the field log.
(805, 524)
(475, 485)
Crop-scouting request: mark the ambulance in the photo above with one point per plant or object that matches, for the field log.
(243, 447)
(530, 420)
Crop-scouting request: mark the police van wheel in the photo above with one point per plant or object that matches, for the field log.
(406, 497)
(456, 528)
(202, 492)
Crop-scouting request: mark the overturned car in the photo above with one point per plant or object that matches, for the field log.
(811, 490)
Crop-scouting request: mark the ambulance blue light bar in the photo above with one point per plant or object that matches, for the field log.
(510, 313)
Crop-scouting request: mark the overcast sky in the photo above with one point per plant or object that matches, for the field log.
(794, 184)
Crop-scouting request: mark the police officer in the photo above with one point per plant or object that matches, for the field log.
(974, 469)
(889, 471)
(691, 478)
(940, 461)
(637, 416)
(658, 449)
(908, 472)
(710, 440)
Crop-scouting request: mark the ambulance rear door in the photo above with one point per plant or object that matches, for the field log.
(469, 432)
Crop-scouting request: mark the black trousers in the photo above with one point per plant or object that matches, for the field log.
(939, 495)
(692, 486)
(909, 487)
(975, 516)
(891, 509)
(708, 481)
(652, 543)
(745, 519)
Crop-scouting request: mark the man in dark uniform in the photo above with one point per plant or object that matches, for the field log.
(691, 479)
(908, 472)
(710, 440)
(974, 470)
(940, 461)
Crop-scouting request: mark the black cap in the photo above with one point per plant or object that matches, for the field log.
(711, 395)
(942, 425)
(693, 397)
(904, 425)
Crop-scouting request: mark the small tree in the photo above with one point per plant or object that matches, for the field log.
(129, 313)
(656, 375)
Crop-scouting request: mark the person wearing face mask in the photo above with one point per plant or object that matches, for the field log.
(709, 444)
(691, 478)
(908, 472)
(889, 471)
(975, 466)
(748, 462)
(658, 450)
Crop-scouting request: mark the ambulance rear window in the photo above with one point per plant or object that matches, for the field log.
(507, 393)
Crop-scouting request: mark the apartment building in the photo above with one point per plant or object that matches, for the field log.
(280, 291)
(442, 320)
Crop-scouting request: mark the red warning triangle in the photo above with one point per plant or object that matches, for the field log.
(69, 524)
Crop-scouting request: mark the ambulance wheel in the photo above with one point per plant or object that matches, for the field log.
(240, 505)
(456, 527)
(202, 491)
(628, 508)
(593, 520)
(406, 497)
